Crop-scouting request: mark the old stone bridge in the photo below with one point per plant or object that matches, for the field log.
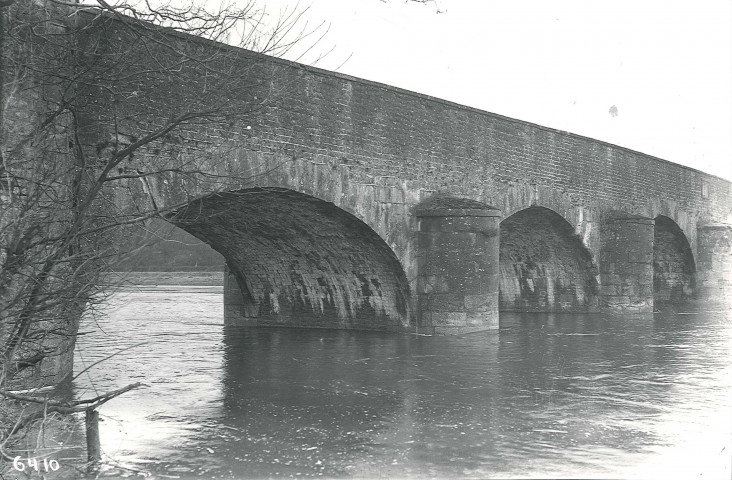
(344, 203)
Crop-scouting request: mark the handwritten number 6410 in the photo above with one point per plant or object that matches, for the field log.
(48, 465)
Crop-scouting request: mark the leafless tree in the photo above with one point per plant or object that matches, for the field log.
(66, 195)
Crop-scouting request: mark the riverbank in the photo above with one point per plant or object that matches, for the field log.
(136, 279)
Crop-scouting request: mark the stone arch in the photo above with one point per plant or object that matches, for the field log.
(520, 196)
(300, 261)
(382, 205)
(684, 219)
(674, 269)
(544, 266)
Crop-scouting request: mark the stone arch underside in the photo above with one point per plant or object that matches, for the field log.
(300, 261)
(544, 267)
(673, 264)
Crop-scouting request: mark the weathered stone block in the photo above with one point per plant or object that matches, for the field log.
(457, 282)
(457, 242)
(635, 256)
(480, 303)
(446, 302)
(448, 318)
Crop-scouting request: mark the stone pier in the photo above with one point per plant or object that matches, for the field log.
(626, 263)
(458, 266)
(714, 265)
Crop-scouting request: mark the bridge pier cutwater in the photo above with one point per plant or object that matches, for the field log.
(457, 261)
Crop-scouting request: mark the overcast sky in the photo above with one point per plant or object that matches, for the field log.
(651, 75)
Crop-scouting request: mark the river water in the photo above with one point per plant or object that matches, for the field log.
(545, 396)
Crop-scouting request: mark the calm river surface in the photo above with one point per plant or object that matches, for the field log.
(546, 396)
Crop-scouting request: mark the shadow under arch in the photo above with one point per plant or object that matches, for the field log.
(544, 266)
(674, 269)
(300, 261)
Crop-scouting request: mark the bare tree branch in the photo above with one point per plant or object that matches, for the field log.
(75, 137)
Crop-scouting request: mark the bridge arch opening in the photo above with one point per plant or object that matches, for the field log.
(295, 260)
(544, 267)
(163, 247)
(673, 264)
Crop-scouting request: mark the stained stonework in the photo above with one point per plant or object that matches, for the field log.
(544, 265)
(673, 264)
(457, 286)
(293, 260)
(626, 263)
(714, 274)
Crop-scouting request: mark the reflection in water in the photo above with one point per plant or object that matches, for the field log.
(548, 395)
